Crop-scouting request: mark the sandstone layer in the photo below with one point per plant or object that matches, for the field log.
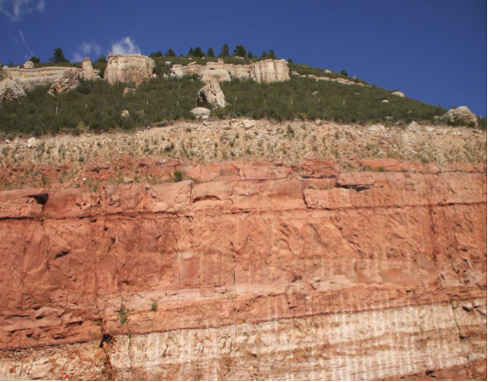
(265, 71)
(29, 79)
(128, 68)
(249, 275)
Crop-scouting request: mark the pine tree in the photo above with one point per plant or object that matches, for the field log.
(344, 73)
(240, 51)
(157, 54)
(210, 52)
(264, 55)
(102, 59)
(271, 54)
(58, 56)
(225, 51)
(170, 53)
(198, 52)
(190, 52)
(35, 60)
(250, 55)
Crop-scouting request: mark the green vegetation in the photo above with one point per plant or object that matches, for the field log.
(58, 56)
(178, 175)
(35, 60)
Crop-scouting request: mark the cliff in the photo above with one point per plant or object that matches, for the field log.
(247, 269)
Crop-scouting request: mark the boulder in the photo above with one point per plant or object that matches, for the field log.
(399, 94)
(413, 127)
(167, 63)
(10, 91)
(248, 124)
(128, 68)
(88, 73)
(29, 65)
(211, 94)
(129, 91)
(385, 101)
(201, 113)
(31, 142)
(327, 71)
(125, 113)
(68, 81)
(461, 116)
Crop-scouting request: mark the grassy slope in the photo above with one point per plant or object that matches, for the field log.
(97, 106)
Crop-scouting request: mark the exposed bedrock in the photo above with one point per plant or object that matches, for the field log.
(351, 276)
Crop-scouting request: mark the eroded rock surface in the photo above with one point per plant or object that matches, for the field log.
(211, 94)
(256, 271)
(29, 79)
(10, 91)
(461, 116)
(128, 68)
(266, 71)
(89, 74)
(69, 80)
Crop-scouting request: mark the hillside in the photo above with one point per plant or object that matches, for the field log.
(97, 106)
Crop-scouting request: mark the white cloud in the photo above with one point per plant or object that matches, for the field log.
(15, 9)
(21, 35)
(86, 49)
(125, 46)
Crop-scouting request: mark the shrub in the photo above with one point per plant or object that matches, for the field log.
(178, 175)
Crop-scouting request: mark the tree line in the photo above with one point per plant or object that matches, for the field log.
(239, 51)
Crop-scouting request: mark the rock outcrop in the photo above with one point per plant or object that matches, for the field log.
(343, 276)
(398, 93)
(29, 79)
(89, 74)
(266, 71)
(200, 113)
(128, 68)
(461, 116)
(211, 94)
(329, 79)
(10, 91)
(29, 65)
(68, 81)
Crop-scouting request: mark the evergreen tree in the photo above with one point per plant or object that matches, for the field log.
(170, 53)
(157, 54)
(35, 60)
(225, 51)
(264, 55)
(240, 51)
(210, 52)
(271, 54)
(198, 52)
(290, 61)
(250, 55)
(102, 59)
(58, 56)
(190, 52)
(344, 73)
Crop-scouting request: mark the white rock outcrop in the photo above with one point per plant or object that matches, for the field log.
(89, 74)
(211, 94)
(200, 113)
(29, 79)
(266, 71)
(461, 116)
(399, 94)
(125, 113)
(128, 68)
(10, 91)
(29, 65)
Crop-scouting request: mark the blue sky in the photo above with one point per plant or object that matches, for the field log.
(432, 50)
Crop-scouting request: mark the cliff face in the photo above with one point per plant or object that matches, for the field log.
(29, 79)
(255, 271)
(266, 71)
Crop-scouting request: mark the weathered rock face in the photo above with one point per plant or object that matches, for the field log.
(128, 68)
(211, 94)
(29, 79)
(68, 81)
(264, 272)
(10, 91)
(88, 73)
(29, 65)
(399, 94)
(461, 116)
(262, 71)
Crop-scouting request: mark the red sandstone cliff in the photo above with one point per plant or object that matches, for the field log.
(250, 270)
